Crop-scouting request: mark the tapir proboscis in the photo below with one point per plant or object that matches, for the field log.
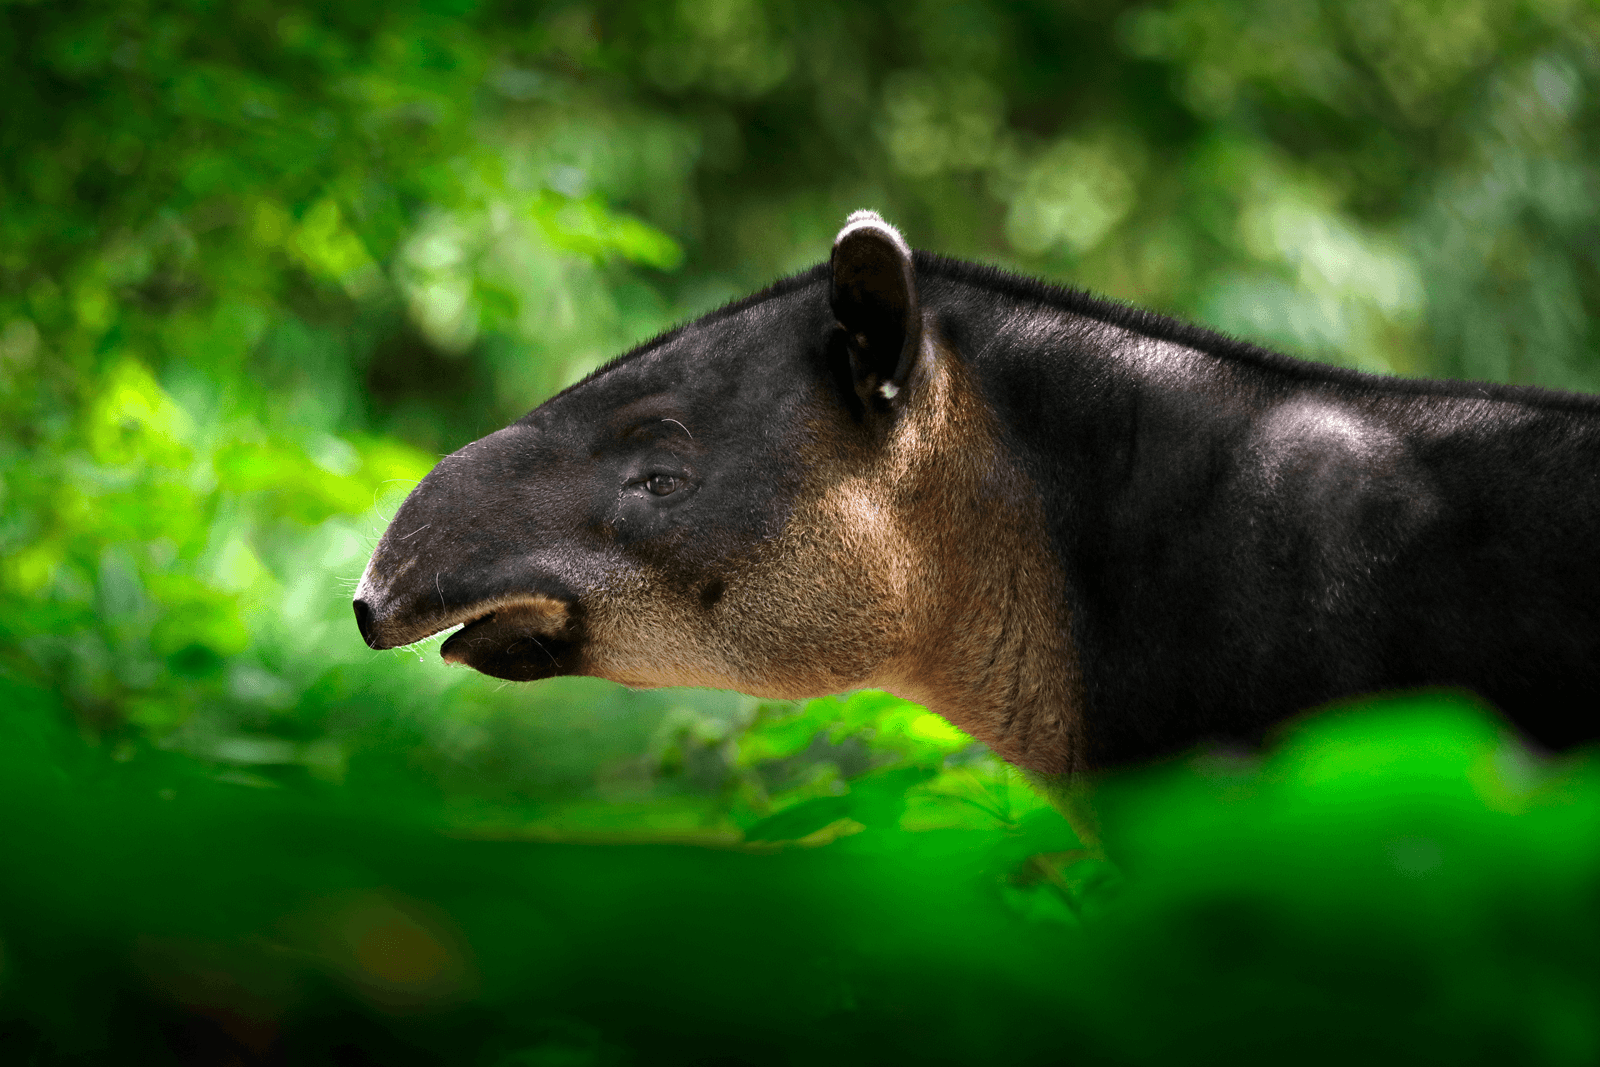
(1085, 534)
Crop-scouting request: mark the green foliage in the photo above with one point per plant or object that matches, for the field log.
(1401, 881)
(261, 263)
(871, 761)
(1406, 861)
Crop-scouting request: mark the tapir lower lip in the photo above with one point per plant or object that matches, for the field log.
(452, 648)
(502, 645)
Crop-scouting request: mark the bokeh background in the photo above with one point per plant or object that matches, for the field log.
(262, 263)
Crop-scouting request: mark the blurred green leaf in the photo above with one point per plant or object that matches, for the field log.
(802, 819)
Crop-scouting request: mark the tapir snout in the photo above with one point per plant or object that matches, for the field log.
(511, 575)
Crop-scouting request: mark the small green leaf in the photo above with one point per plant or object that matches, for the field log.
(802, 820)
(880, 799)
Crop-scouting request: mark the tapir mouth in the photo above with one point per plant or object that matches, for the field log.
(520, 642)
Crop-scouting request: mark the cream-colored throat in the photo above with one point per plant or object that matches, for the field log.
(988, 639)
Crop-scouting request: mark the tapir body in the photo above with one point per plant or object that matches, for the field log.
(1085, 534)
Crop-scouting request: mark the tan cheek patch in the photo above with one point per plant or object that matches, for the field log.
(817, 610)
(813, 613)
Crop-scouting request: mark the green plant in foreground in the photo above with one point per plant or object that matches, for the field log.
(1400, 882)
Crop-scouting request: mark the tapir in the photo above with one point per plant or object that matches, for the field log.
(1087, 535)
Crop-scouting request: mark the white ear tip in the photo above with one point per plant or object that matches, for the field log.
(866, 219)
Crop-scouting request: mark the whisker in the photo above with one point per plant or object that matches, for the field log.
(548, 655)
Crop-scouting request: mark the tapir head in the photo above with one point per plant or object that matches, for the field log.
(782, 498)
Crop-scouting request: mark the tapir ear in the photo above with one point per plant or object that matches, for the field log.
(874, 296)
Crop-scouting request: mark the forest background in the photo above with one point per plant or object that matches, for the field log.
(262, 263)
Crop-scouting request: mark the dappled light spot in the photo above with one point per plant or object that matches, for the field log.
(397, 954)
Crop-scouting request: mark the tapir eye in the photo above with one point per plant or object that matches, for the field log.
(662, 484)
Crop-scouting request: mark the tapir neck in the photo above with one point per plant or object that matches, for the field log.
(989, 643)
(1064, 405)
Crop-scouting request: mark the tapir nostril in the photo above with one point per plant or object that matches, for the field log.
(364, 621)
